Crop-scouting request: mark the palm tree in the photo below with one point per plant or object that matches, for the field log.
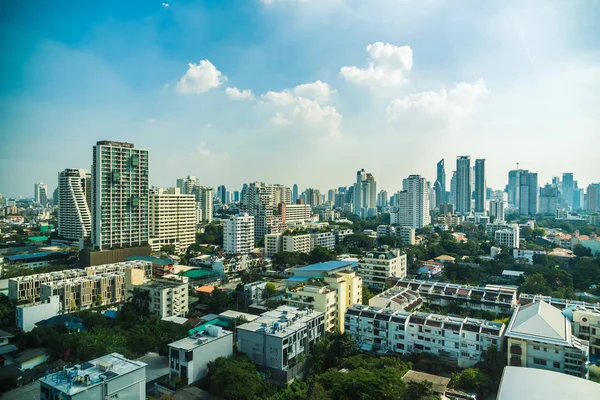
(140, 298)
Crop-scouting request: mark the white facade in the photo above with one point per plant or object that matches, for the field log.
(74, 201)
(120, 195)
(189, 357)
(497, 208)
(376, 267)
(413, 209)
(172, 219)
(586, 325)
(109, 377)
(287, 241)
(238, 234)
(452, 339)
(322, 239)
(204, 198)
(405, 233)
(295, 212)
(168, 296)
(40, 194)
(507, 237)
(30, 314)
(527, 255)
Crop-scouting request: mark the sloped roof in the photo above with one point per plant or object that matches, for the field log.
(539, 321)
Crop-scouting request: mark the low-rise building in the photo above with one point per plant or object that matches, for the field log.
(401, 299)
(289, 241)
(279, 340)
(492, 298)
(189, 357)
(168, 296)
(560, 303)
(109, 377)
(459, 341)
(430, 268)
(376, 267)
(586, 325)
(29, 314)
(526, 255)
(539, 336)
(450, 219)
(507, 237)
(405, 233)
(340, 234)
(322, 239)
(254, 292)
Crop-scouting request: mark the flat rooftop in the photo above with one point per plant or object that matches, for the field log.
(328, 266)
(281, 321)
(72, 381)
(200, 339)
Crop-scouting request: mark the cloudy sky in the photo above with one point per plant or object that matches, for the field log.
(300, 91)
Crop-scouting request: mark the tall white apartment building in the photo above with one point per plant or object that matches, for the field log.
(188, 184)
(204, 199)
(365, 194)
(120, 195)
(238, 234)
(405, 233)
(74, 201)
(322, 239)
(40, 193)
(172, 219)
(287, 241)
(539, 336)
(497, 208)
(295, 212)
(461, 341)
(375, 267)
(413, 209)
(259, 200)
(508, 237)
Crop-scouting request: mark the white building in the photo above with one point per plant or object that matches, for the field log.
(539, 336)
(188, 184)
(322, 239)
(585, 322)
(172, 219)
(109, 377)
(413, 208)
(120, 195)
(497, 208)
(291, 213)
(189, 357)
(204, 199)
(376, 267)
(279, 340)
(30, 314)
(526, 255)
(168, 296)
(401, 299)
(406, 234)
(238, 234)
(287, 241)
(74, 202)
(507, 237)
(453, 339)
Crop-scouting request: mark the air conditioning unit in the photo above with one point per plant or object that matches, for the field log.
(104, 366)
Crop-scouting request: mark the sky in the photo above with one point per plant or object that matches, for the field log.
(300, 91)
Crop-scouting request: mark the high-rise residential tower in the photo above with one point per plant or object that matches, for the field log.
(514, 186)
(222, 194)
(295, 194)
(568, 184)
(592, 197)
(440, 184)
(413, 209)
(548, 200)
(188, 184)
(204, 203)
(238, 234)
(463, 184)
(120, 195)
(528, 193)
(74, 201)
(172, 219)
(480, 186)
(40, 194)
(365, 195)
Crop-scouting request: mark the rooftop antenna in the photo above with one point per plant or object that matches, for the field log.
(517, 165)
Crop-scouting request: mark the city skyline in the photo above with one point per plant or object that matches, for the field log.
(225, 92)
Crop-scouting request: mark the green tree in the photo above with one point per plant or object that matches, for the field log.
(535, 284)
(366, 295)
(234, 378)
(420, 391)
(321, 254)
(270, 290)
(472, 379)
(285, 259)
(581, 251)
(169, 249)
(357, 243)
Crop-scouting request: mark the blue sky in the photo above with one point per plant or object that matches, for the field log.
(300, 91)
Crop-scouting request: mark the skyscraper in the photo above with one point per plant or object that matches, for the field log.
(365, 194)
(452, 197)
(548, 200)
(592, 197)
(172, 219)
(295, 193)
(528, 193)
(358, 201)
(188, 184)
(413, 208)
(204, 204)
(440, 184)
(463, 184)
(222, 194)
(480, 186)
(382, 198)
(40, 194)
(238, 234)
(568, 185)
(236, 196)
(74, 198)
(514, 185)
(120, 195)
(497, 208)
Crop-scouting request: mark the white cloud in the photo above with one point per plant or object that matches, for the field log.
(237, 94)
(203, 151)
(320, 91)
(442, 106)
(388, 65)
(165, 5)
(200, 78)
(305, 112)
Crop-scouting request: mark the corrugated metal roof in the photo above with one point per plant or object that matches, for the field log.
(328, 265)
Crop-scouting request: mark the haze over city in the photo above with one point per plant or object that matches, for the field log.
(302, 92)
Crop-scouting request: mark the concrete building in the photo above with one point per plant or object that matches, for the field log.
(365, 194)
(322, 239)
(528, 193)
(450, 219)
(459, 341)
(548, 200)
(440, 184)
(526, 255)
(539, 336)
(189, 357)
(279, 340)
(120, 196)
(480, 186)
(238, 234)
(592, 197)
(168, 296)
(40, 194)
(463, 185)
(497, 208)
(288, 241)
(376, 267)
(492, 298)
(28, 315)
(172, 219)
(188, 185)
(74, 202)
(204, 204)
(397, 299)
(331, 294)
(507, 237)
(109, 377)
(291, 213)
(514, 187)
(254, 292)
(586, 326)
(413, 209)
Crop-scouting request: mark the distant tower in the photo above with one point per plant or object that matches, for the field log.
(480, 186)
(463, 184)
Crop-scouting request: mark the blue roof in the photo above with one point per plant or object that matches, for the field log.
(328, 266)
(112, 314)
(297, 279)
(33, 255)
(153, 260)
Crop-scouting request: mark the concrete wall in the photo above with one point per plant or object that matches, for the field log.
(89, 257)
(28, 316)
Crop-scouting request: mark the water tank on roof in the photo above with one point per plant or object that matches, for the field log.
(213, 331)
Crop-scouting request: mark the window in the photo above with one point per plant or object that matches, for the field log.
(539, 361)
(189, 356)
(556, 364)
(536, 347)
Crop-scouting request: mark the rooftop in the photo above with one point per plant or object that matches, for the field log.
(440, 383)
(281, 321)
(153, 260)
(328, 266)
(23, 257)
(106, 368)
(201, 338)
(544, 385)
(388, 255)
(540, 321)
(231, 314)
